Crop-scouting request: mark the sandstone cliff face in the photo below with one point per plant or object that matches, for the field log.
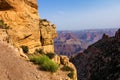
(26, 29)
(23, 18)
(47, 35)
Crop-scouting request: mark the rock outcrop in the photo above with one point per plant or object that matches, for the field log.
(26, 26)
(64, 61)
(47, 35)
(105, 36)
(100, 61)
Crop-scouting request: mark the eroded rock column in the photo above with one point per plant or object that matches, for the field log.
(47, 35)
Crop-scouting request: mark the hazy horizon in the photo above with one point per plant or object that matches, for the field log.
(91, 29)
(81, 14)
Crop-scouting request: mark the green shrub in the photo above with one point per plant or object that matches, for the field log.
(66, 68)
(38, 59)
(71, 74)
(50, 55)
(25, 48)
(49, 66)
(34, 59)
(45, 63)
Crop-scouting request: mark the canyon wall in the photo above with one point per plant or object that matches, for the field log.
(26, 27)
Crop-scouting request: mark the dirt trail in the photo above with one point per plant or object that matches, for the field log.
(12, 67)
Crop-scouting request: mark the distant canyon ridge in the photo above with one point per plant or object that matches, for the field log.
(71, 43)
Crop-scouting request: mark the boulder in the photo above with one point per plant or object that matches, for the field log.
(56, 59)
(65, 61)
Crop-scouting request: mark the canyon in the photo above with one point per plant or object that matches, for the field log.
(71, 43)
(80, 55)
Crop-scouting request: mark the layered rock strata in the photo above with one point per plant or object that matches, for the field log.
(26, 26)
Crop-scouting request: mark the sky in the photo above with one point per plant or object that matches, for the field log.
(81, 14)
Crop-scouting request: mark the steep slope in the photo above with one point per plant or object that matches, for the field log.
(104, 59)
(101, 60)
(12, 67)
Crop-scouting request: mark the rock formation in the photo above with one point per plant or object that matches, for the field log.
(26, 26)
(105, 36)
(47, 35)
(100, 61)
(20, 26)
(65, 61)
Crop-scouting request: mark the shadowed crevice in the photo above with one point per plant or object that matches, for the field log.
(5, 6)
